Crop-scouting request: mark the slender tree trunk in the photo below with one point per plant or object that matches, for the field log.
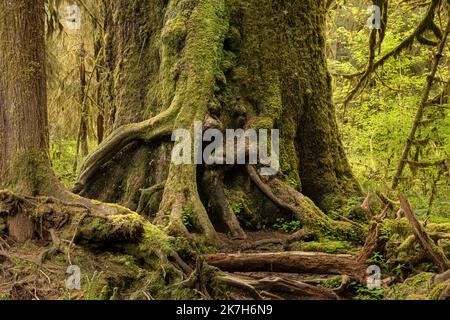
(25, 167)
(23, 122)
(83, 103)
(24, 144)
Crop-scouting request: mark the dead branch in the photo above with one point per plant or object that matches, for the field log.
(422, 236)
(373, 242)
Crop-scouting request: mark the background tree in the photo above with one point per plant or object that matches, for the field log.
(25, 166)
(24, 161)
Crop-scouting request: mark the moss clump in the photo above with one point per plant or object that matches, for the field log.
(120, 228)
(325, 245)
(31, 173)
(332, 283)
(241, 205)
(437, 290)
(356, 214)
(412, 287)
(443, 243)
(402, 228)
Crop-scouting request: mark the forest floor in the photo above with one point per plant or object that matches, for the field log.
(83, 255)
(24, 276)
(109, 274)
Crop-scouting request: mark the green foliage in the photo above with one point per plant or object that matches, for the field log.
(332, 283)
(237, 208)
(376, 124)
(398, 269)
(287, 226)
(62, 154)
(187, 217)
(95, 287)
(363, 293)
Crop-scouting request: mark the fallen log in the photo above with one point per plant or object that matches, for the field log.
(290, 262)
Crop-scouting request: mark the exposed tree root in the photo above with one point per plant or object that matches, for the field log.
(214, 189)
(47, 214)
(56, 246)
(442, 277)
(276, 287)
(151, 129)
(181, 208)
(304, 209)
(146, 198)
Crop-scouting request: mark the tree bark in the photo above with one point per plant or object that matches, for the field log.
(24, 142)
(23, 121)
(25, 162)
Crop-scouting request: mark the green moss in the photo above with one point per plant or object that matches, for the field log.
(174, 32)
(417, 297)
(5, 296)
(416, 285)
(332, 283)
(31, 173)
(244, 207)
(438, 219)
(120, 227)
(325, 245)
(402, 228)
(437, 290)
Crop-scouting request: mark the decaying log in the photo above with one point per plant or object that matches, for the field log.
(422, 236)
(290, 262)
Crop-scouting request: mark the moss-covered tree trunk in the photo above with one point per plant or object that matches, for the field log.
(23, 99)
(24, 158)
(230, 64)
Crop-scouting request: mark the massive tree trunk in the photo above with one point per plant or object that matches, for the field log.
(245, 64)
